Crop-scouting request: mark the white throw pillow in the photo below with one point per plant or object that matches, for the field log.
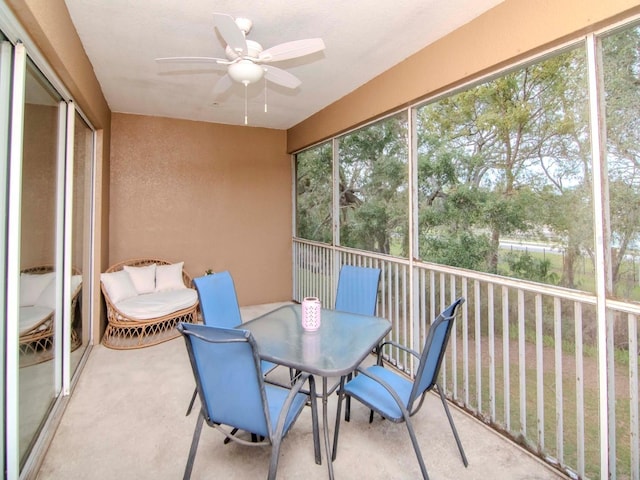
(32, 285)
(48, 297)
(143, 278)
(118, 285)
(76, 281)
(169, 277)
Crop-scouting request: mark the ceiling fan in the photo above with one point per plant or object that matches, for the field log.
(247, 62)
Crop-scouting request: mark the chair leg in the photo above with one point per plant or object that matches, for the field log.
(293, 375)
(194, 447)
(233, 432)
(416, 448)
(347, 406)
(193, 399)
(453, 427)
(341, 395)
(275, 455)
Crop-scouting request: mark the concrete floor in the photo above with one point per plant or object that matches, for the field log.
(126, 420)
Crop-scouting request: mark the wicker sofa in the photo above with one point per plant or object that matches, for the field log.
(162, 297)
(37, 313)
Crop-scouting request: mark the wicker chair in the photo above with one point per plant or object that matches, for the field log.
(124, 332)
(36, 343)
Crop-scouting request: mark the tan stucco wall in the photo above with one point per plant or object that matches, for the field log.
(513, 30)
(214, 196)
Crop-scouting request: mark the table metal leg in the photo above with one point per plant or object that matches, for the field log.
(325, 427)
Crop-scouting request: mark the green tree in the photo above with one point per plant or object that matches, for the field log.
(621, 62)
(489, 157)
(565, 188)
(313, 194)
(374, 211)
(524, 265)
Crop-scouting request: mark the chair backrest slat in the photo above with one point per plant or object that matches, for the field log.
(229, 380)
(433, 352)
(357, 290)
(218, 300)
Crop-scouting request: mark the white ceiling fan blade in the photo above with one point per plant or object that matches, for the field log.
(222, 85)
(230, 32)
(219, 61)
(295, 49)
(281, 77)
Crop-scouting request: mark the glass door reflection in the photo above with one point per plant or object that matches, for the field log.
(81, 239)
(39, 287)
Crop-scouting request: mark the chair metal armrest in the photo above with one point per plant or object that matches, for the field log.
(295, 389)
(396, 345)
(388, 388)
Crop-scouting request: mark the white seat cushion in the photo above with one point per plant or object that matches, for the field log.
(157, 304)
(31, 316)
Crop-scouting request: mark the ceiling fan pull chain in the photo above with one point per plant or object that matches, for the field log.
(265, 94)
(245, 103)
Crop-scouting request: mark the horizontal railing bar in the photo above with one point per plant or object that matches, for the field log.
(527, 286)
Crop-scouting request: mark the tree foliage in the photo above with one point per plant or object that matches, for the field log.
(374, 210)
(508, 159)
(495, 158)
(621, 65)
(313, 194)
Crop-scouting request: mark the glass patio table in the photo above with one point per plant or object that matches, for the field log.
(334, 350)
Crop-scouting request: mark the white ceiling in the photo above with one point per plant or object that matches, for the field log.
(363, 38)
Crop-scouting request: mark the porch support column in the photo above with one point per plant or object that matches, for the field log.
(601, 227)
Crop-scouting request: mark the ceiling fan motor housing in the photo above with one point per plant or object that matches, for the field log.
(244, 24)
(254, 49)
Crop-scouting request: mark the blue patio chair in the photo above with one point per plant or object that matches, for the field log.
(357, 290)
(398, 398)
(233, 393)
(218, 300)
(219, 307)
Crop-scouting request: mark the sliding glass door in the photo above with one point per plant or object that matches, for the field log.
(81, 235)
(46, 187)
(40, 279)
(5, 84)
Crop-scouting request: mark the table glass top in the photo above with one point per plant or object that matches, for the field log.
(336, 348)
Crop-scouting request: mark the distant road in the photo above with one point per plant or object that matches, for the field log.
(541, 247)
(531, 247)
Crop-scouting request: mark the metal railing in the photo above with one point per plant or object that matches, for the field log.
(522, 356)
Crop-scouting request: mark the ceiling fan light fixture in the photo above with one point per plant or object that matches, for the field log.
(246, 72)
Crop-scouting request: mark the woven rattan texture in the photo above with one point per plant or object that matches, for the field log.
(36, 345)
